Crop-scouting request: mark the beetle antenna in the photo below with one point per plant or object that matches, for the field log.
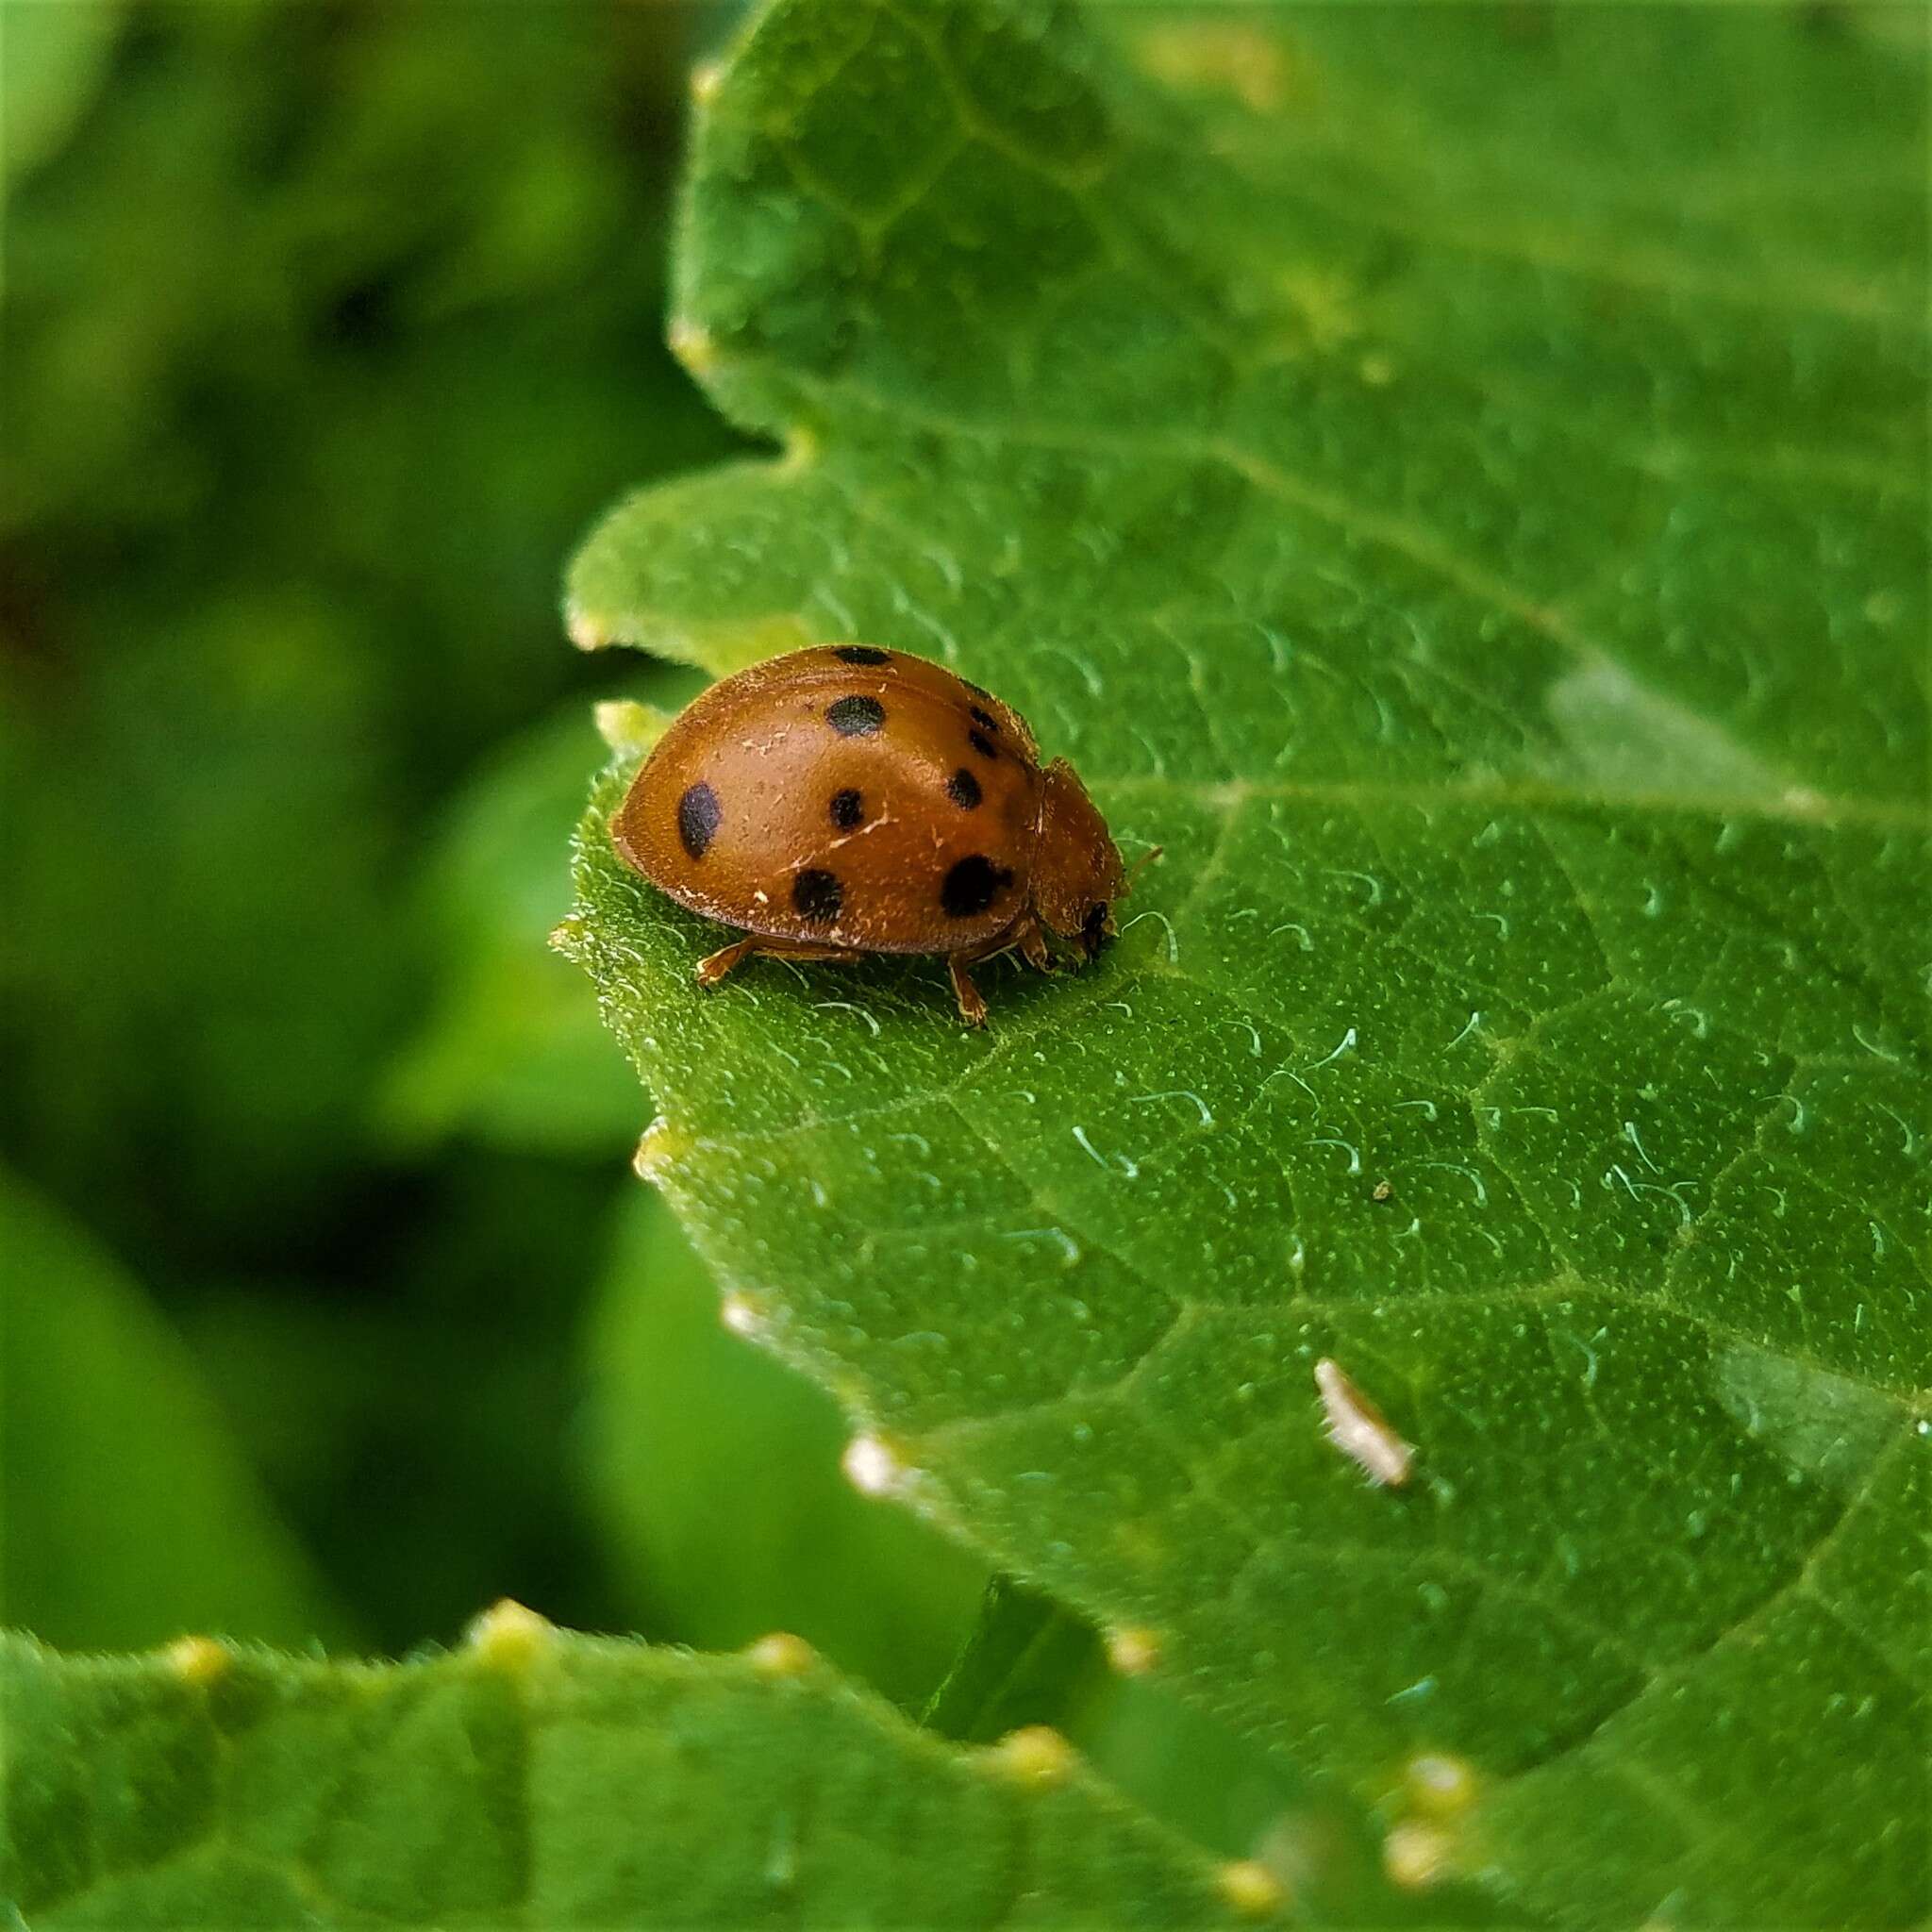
(1141, 865)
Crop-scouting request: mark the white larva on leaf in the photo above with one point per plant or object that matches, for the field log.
(1360, 1430)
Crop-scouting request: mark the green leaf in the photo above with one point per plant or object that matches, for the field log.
(1453, 477)
(55, 61)
(538, 1779)
(130, 1515)
(192, 984)
(1029, 1662)
(686, 1428)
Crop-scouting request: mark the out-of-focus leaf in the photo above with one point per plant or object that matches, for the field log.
(420, 1430)
(202, 954)
(129, 1515)
(323, 341)
(717, 1473)
(273, 210)
(511, 1051)
(1028, 1661)
(1455, 477)
(52, 59)
(538, 1779)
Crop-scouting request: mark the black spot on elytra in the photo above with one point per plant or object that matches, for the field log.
(971, 885)
(982, 744)
(848, 809)
(816, 896)
(985, 719)
(861, 654)
(1093, 933)
(699, 815)
(855, 717)
(962, 788)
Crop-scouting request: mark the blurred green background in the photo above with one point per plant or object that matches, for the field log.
(332, 1309)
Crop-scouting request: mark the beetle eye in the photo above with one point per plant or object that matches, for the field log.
(1093, 932)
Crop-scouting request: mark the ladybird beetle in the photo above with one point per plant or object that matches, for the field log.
(846, 800)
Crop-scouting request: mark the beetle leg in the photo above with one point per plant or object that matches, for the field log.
(1031, 941)
(971, 1006)
(714, 966)
(1026, 935)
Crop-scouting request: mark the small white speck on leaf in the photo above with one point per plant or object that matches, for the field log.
(871, 1468)
(1360, 1430)
(1438, 1783)
(656, 1150)
(740, 1316)
(585, 629)
(1069, 1247)
(849, 1007)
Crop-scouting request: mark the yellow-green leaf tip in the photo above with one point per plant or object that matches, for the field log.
(1036, 1755)
(1250, 1888)
(509, 1637)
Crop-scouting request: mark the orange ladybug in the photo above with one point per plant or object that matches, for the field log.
(848, 800)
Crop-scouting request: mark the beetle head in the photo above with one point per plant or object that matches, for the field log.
(1076, 872)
